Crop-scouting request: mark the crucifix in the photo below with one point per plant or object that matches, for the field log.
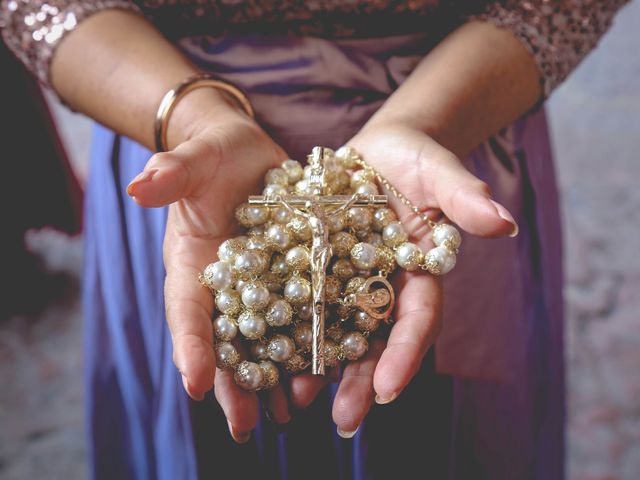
(316, 209)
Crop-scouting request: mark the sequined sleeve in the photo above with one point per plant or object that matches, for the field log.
(558, 33)
(32, 29)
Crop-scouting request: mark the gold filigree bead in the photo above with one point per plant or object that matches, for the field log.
(342, 243)
(331, 353)
(347, 157)
(333, 289)
(303, 335)
(343, 269)
(385, 259)
(344, 311)
(354, 285)
(227, 357)
(270, 375)
(296, 364)
(335, 332)
(277, 176)
(294, 170)
(362, 176)
(359, 218)
(251, 215)
(272, 281)
(300, 228)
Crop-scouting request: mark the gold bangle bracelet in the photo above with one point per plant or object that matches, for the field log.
(171, 98)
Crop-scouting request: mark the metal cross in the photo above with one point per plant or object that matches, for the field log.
(314, 208)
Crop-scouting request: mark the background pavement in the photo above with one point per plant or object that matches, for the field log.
(595, 118)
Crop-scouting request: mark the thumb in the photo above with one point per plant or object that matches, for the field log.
(171, 176)
(466, 200)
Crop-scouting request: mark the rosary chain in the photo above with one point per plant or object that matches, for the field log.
(397, 193)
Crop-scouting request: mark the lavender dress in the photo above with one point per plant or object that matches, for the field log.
(489, 400)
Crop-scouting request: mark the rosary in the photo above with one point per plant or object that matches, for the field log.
(307, 284)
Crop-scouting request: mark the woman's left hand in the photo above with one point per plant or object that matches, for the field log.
(433, 179)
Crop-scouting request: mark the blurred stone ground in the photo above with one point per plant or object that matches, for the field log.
(595, 119)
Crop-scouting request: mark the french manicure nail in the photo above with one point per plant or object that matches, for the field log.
(345, 434)
(505, 215)
(383, 401)
(143, 177)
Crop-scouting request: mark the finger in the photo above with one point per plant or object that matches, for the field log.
(304, 388)
(355, 393)
(277, 406)
(188, 309)
(239, 406)
(467, 201)
(171, 176)
(418, 322)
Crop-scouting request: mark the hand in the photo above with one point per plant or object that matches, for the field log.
(433, 179)
(203, 180)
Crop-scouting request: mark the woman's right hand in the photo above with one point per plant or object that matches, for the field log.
(203, 180)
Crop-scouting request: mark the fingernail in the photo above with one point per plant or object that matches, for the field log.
(187, 387)
(143, 177)
(238, 437)
(505, 215)
(383, 401)
(345, 434)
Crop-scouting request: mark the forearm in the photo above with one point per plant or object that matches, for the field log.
(116, 67)
(475, 82)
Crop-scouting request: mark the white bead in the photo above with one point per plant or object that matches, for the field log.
(444, 232)
(294, 170)
(394, 234)
(409, 256)
(249, 376)
(297, 290)
(225, 328)
(281, 348)
(274, 189)
(279, 265)
(365, 322)
(361, 176)
(367, 188)
(443, 258)
(249, 263)
(279, 313)
(270, 373)
(280, 215)
(257, 241)
(354, 345)
(252, 325)
(226, 355)
(359, 218)
(259, 351)
(382, 217)
(347, 156)
(228, 301)
(303, 335)
(363, 256)
(276, 176)
(278, 237)
(255, 296)
(256, 215)
(217, 276)
(302, 187)
(336, 223)
(228, 250)
(305, 312)
(298, 258)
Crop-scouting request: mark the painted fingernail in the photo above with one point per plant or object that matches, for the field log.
(346, 434)
(238, 437)
(505, 215)
(196, 396)
(143, 177)
(383, 401)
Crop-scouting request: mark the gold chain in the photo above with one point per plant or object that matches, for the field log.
(396, 193)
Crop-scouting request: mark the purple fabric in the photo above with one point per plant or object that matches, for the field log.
(493, 410)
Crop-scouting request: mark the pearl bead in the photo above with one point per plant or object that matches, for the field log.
(342, 243)
(374, 239)
(347, 156)
(343, 269)
(305, 312)
(354, 345)
(297, 290)
(331, 353)
(240, 284)
(276, 176)
(270, 375)
(274, 189)
(226, 355)
(302, 187)
(363, 256)
(303, 335)
(296, 363)
(250, 215)
(297, 259)
(255, 296)
(278, 237)
(228, 302)
(217, 276)
(279, 265)
(272, 281)
(336, 223)
(249, 264)
(440, 260)
(444, 233)
(359, 218)
(367, 188)
(228, 250)
(225, 328)
(259, 351)
(281, 348)
(279, 313)
(257, 242)
(409, 256)
(361, 176)
(293, 169)
(252, 325)
(365, 322)
(280, 215)
(249, 376)
(394, 234)
(383, 217)
(300, 228)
